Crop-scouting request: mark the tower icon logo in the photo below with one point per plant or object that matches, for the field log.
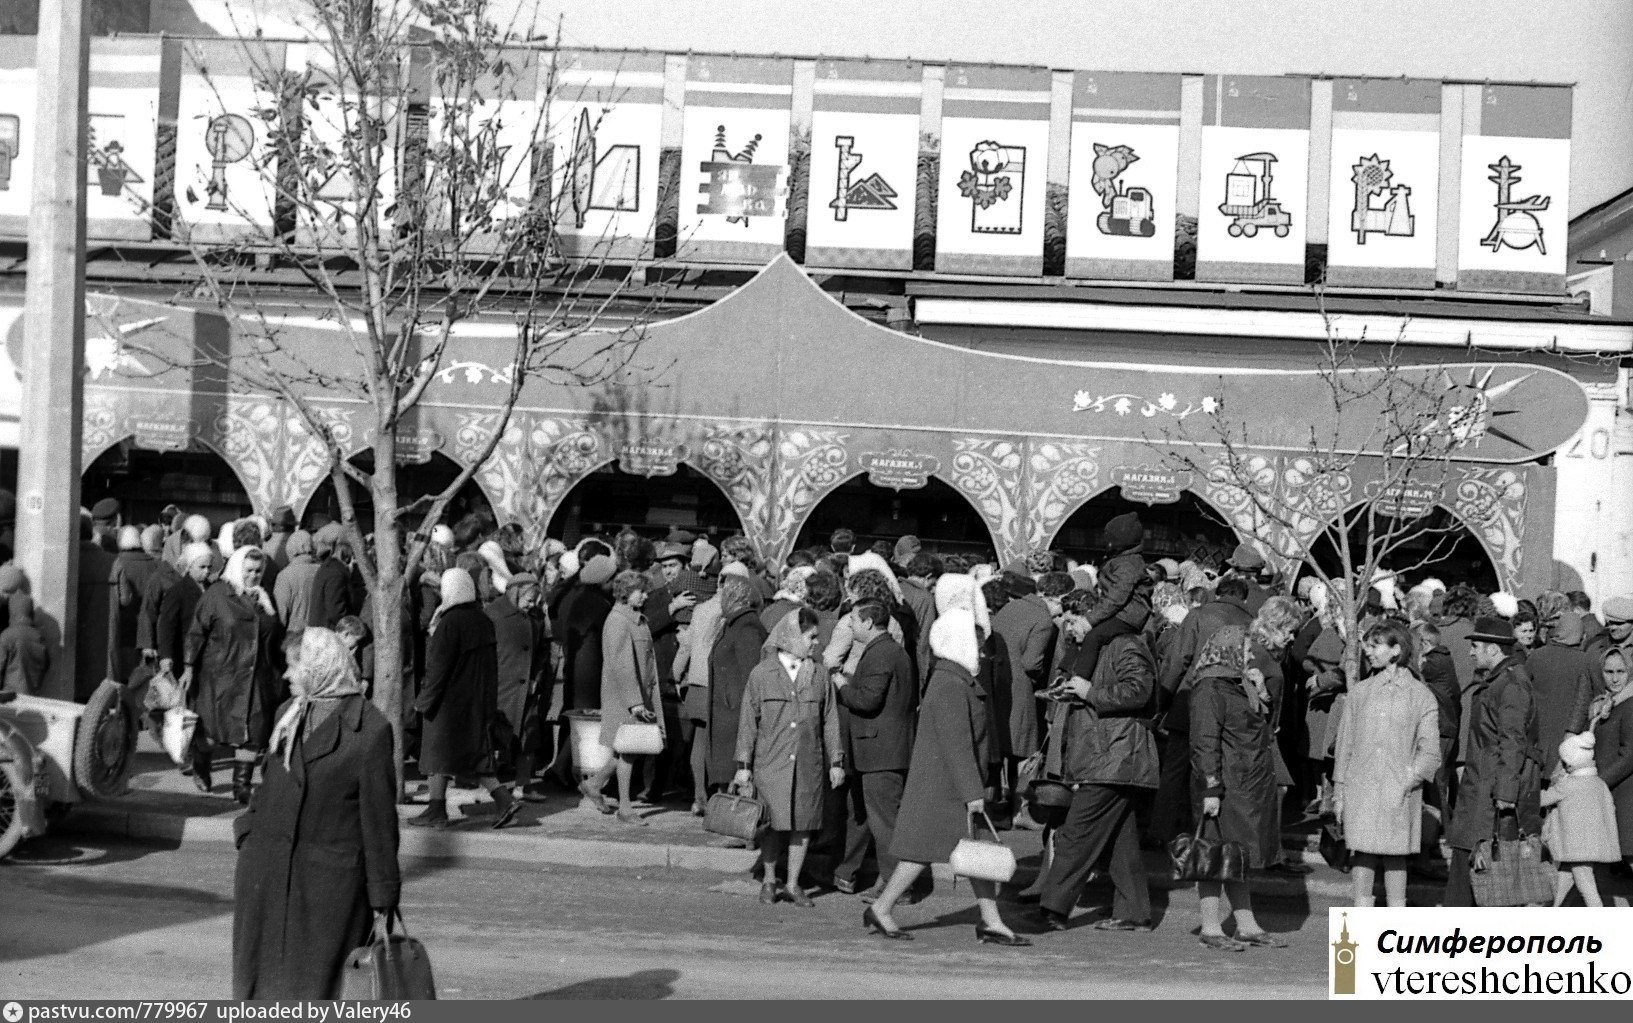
(1343, 962)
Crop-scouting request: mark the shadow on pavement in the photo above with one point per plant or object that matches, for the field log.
(645, 985)
(71, 850)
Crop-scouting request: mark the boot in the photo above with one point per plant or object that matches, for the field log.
(242, 775)
(435, 815)
(201, 771)
(508, 806)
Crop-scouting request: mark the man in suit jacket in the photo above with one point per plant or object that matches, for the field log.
(876, 716)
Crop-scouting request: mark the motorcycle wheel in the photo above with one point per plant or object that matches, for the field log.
(105, 745)
(11, 813)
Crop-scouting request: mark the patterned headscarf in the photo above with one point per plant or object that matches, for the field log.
(326, 672)
(1223, 655)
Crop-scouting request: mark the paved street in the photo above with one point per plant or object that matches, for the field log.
(90, 919)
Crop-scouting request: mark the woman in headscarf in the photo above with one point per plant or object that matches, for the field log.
(789, 598)
(733, 658)
(1610, 718)
(629, 690)
(233, 651)
(1233, 771)
(457, 701)
(787, 734)
(317, 848)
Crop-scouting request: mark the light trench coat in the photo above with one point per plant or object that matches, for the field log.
(1389, 733)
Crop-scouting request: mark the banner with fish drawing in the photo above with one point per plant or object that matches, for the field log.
(994, 163)
(605, 134)
(1516, 173)
(226, 173)
(122, 139)
(864, 164)
(16, 132)
(1383, 183)
(1255, 179)
(1124, 174)
(734, 159)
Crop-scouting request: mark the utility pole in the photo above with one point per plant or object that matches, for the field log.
(53, 362)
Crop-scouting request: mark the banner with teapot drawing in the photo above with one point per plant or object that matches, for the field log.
(994, 159)
(1251, 225)
(1516, 175)
(1384, 183)
(1124, 175)
(734, 159)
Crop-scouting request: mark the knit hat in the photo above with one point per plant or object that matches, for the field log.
(1576, 751)
(130, 538)
(197, 528)
(299, 543)
(1246, 557)
(906, 547)
(599, 571)
(153, 539)
(442, 536)
(1619, 610)
(325, 540)
(1124, 532)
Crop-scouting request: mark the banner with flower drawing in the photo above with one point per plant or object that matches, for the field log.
(994, 155)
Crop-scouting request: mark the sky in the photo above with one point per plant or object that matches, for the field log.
(1586, 42)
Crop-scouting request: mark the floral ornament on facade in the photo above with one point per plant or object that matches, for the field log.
(1124, 404)
(474, 372)
(984, 182)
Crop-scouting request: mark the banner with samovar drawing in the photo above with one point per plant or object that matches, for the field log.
(1516, 175)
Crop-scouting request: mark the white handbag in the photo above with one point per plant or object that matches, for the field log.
(983, 861)
(177, 734)
(638, 739)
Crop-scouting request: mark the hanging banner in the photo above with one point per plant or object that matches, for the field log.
(1515, 202)
(734, 159)
(16, 132)
(226, 173)
(1124, 175)
(326, 211)
(1382, 207)
(994, 159)
(864, 164)
(1255, 179)
(122, 139)
(605, 131)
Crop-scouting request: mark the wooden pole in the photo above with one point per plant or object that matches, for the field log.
(53, 360)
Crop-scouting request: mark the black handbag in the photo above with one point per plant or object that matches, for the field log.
(1196, 857)
(1333, 848)
(734, 816)
(391, 967)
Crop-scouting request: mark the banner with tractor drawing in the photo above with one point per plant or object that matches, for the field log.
(604, 133)
(994, 159)
(1383, 183)
(1516, 165)
(226, 173)
(1255, 179)
(734, 159)
(864, 164)
(1124, 176)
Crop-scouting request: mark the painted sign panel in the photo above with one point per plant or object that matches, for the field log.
(1124, 174)
(1516, 190)
(650, 458)
(605, 131)
(994, 158)
(864, 164)
(225, 171)
(1255, 179)
(1382, 207)
(899, 468)
(327, 214)
(494, 138)
(734, 159)
(1148, 484)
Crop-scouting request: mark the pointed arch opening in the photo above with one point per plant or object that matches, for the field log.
(414, 481)
(1439, 544)
(1188, 528)
(608, 499)
(943, 519)
(197, 479)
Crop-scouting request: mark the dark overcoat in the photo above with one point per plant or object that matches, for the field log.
(1503, 760)
(132, 571)
(233, 648)
(948, 771)
(734, 657)
(1232, 757)
(175, 599)
(583, 613)
(877, 708)
(317, 850)
(1613, 755)
(523, 665)
(331, 594)
(1027, 630)
(458, 696)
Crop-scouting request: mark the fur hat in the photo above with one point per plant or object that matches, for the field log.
(1576, 752)
(956, 590)
(130, 538)
(153, 539)
(952, 637)
(598, 571)
(906, 547)
(1506, 603)
(1124, 532)
(197, 528)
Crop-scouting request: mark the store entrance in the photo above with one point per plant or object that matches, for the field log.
(609, 499)
(943, 519)
(1188, 528)
(1438, 545)
(413, 482)
(197, 480)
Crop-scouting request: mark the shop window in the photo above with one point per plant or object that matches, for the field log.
(413, 482)
(197, 480)
(1188, 528)
(943, 519)
(608, 500)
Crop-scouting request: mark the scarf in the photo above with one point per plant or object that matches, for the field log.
(325, 673)
(233, 574)
(1225, 655)
(457, 588)
(1609, 700)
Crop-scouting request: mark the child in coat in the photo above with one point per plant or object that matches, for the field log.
(1122, 594)
(24, 660)
(1581, 829)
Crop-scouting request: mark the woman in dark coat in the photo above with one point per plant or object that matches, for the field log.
(946, 778)
(1612, 722)
(234, 652)
(1233, 776)
(523, 659)
(584, 612)
(175, 600)
(735, 654)
(457, 701)
(317, 848)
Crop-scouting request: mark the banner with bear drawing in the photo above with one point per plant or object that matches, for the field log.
(1255, 179)
(864, 164)
(1383, 183)
(1124, 173)
(1516, 173)
(734, 159)
(994, 162)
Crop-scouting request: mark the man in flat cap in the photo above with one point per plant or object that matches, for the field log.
(105, 523)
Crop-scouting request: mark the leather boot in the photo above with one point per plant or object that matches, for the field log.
(242, 775)
(435, 815)
(201, 771)
(507, 806)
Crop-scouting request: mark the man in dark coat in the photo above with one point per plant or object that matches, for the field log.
(105, 523)
(1440, 676)
(583, 611)
(133, 569)
(876, 716)
(1171, 812)
(1562, 678)
(276, 547)
(664, 610)
(918, 583)
(1501, 787)
(317, 850)
(331, 598)
(735, 654)
(1027, 629)
(96, 602)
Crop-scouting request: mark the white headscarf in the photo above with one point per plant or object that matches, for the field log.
(326, 672)
(866, 560)
(953, 637)
(457, 588)
(223, 539)
(233, 574)
(498, 570)
(958, 590)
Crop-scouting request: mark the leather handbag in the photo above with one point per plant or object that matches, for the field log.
(638, 739)
(1195, 857)
(734, 816)
(981, 860)
(392, 966)
(1333, 848)
(1510, 872)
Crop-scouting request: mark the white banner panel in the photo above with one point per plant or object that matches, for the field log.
(1516, 191)
(1383, 207)
(1255, 180)
(16, 132)
(734, 159)
(122, 138)
(327, 214)
(226, 173)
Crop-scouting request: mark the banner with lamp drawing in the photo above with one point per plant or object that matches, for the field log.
(604, 135)
(734, 159)
(226, 175)
(864, 164)
(1251, 224)
(1124, 175)
(1516, 171)
(994, 161)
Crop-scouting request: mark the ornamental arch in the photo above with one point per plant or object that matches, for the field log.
(1187, 526)
(1450, 550)
(944, 520)
(609, 497)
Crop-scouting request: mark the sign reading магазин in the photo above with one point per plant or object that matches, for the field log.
(162, 434)
(1146, 484)
(899, 470)
(650, 458)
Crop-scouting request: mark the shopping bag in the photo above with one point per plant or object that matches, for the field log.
(392, 966)
(1196, 857)
(177, 734)
(1510, 872)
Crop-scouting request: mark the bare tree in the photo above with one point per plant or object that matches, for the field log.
(409, 192)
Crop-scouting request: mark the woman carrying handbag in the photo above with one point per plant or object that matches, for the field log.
(945, 780)
(629, 676)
